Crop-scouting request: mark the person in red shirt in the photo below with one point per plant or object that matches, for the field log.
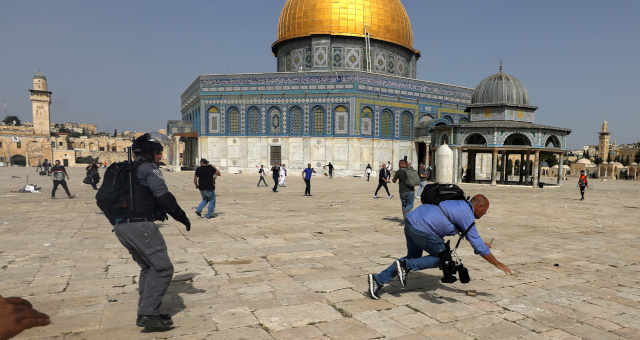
(583, 183)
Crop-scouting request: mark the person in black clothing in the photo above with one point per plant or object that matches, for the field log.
(138, 233)
(275, 174)
(59, 174)
(261, 172)
(93, 177)
(205, 180)
(330, 166)
(368, 171)
(383, 178)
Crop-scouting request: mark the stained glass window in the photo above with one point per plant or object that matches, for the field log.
(386, 124)
(295, 121)
(214, 118)
(253, 121)
(234, 121)
(318, 121)
(340, 114)
(275, 122)
(367, 117)
(405, 125)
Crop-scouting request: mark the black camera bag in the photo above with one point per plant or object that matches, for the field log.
(436, 193)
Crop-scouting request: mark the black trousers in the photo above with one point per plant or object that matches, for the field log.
(582, 190)
(380, 185)
(307, 189)
(64, 186)
(275, 184)
(262, 181)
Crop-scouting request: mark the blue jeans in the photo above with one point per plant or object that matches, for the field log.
(407, 202)
(417, 242)
(208, 196)
(422, 185)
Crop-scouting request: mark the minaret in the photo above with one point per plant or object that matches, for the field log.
(40, 105)
(605, 141)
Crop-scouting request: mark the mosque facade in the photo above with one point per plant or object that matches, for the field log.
(345, 92)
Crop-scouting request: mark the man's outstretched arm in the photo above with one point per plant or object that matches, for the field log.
(492, 259)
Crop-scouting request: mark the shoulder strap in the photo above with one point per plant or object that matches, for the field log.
(461, 233)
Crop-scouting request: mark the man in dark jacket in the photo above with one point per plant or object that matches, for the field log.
(142, 238)
(59, 174)
(205, 180)
(383, 178)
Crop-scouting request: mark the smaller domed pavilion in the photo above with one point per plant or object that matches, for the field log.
(500, 143)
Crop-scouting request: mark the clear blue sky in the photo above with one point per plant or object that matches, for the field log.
(123, 64)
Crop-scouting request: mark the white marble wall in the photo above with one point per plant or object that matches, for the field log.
(350, 156)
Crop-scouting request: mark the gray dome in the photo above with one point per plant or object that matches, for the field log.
(500, 89)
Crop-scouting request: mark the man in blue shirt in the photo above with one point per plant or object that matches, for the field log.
(425, 229)
(306, 175)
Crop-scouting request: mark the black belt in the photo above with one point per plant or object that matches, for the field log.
(133, 220)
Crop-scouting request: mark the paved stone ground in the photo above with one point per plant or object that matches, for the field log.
(281, 266)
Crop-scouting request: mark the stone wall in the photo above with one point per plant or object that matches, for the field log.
(349, 156)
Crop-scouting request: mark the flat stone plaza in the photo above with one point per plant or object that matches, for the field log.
(283, 266)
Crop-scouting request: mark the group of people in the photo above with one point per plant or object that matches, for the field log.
(424, 228)
(279, 176)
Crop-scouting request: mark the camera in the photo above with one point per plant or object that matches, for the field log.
(450, 264)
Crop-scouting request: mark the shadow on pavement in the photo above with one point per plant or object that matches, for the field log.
(181, 284)
(394, 219)
(427, 284)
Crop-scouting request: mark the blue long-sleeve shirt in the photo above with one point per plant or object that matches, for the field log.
(431, 219)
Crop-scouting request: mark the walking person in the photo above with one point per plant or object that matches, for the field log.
(93, 176)
(389, 168)
(135, 228)
(283, 176)
(407, 191)
(383, 179)
(425, 229)
(424, 177)
(275, 174)
(262, 173)
(59, 174)
(306, 176)
(46, 166)
(368, 171)
(205, 180)
(330, 166)
(583, 184)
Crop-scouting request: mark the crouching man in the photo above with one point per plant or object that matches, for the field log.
(425, 229)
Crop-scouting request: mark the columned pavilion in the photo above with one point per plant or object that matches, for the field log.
(500, 143)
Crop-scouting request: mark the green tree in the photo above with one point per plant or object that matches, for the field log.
(637, 158)
(12, 120)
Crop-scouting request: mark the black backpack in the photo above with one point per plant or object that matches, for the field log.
(114, 195)
(436, 193)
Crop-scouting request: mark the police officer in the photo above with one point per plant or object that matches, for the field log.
(137, 232)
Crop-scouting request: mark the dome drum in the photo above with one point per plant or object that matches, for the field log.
(340, 53)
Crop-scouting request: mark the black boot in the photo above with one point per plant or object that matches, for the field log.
(156, 323)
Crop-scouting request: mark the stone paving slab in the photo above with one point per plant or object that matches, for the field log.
(282, 266)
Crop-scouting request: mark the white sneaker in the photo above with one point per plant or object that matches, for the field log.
(391, 197)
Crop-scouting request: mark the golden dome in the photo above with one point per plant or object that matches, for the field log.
(385, 20)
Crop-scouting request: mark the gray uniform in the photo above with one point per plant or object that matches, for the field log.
(147, 247)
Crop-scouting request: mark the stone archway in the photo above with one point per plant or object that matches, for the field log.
(18, 160)
(517, 139)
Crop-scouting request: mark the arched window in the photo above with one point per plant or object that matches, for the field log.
(340, 114)
(295, 121)
(214, 119)
(475, 139)
(254, 121)
(317, 121)
(275, 121)
(406, 125)
(233, 117)
(553, 142)
(366, 121)
(444, 139)
(386, 123)
(517, 139)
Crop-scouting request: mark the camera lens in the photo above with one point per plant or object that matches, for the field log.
(464, 274)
